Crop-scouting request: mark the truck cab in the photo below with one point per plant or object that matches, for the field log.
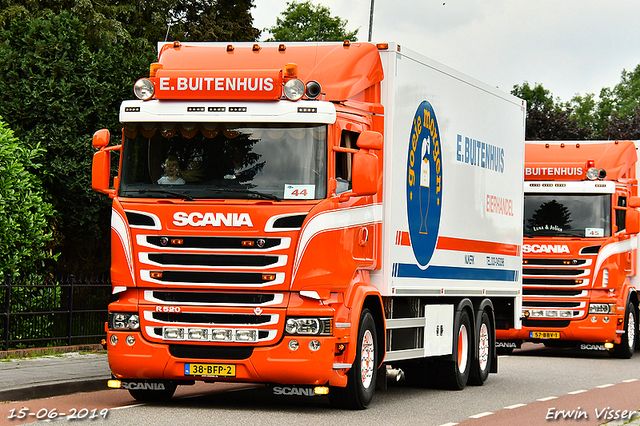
(579, 247)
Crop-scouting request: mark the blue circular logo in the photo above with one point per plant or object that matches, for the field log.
(424, 183)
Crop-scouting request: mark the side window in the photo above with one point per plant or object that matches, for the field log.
(621, 214)
(344, 160)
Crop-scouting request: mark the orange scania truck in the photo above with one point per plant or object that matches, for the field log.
(312, 217)
(580, 247)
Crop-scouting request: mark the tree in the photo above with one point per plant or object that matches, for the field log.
(546, 119)
(156, 20)
(56, 90)
(26, 217)
(308, 22)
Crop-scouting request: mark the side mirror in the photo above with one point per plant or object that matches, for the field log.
(634, 202)
(365, 173)
(370, 140)
(101, 167)
(101, 139)
(632, 221)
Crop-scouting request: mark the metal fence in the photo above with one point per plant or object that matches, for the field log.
(53, 312)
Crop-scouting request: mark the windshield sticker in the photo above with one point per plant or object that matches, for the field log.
(299, 192)
(594, 232)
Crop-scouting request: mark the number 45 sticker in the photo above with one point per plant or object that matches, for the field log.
(299, 192)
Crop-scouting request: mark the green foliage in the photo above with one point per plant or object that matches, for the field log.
(26, 218)
(548, 119)
(305, 21)
(55, 91)
(156, 20)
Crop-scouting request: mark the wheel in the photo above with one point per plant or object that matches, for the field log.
(455, 374)
(628, 340)
(361, 378)
(148, 395)
(481, 366)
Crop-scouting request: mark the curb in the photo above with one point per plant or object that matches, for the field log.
(54, 389)
(22, 353)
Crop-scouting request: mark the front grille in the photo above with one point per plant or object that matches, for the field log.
(197, 277)
(563, 282)
(551, 304)
(555, 262)
(213, 260)
(211, 318)
(552, 293)
(251, 299)
(222, 243)
(554, 272)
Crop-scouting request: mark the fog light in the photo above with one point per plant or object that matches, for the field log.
(321, 390)
(114, 384)
(605, 320)
(594, 319)
(314, 345)
(197, 334)
(130, 340)
(173, 333)
(608, 345)
(293, 345)
(246, 335)
(113, 339)
(221, 335)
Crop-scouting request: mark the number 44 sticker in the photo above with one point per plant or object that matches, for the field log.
(299, 192)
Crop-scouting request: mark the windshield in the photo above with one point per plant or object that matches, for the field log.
(224, 160)
(567, 215)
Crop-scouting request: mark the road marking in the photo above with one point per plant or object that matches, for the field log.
(577, 392)
(549, 398)
(608, 385)
(477, 416)
(511, 407)
(630, 381)
(449, 424)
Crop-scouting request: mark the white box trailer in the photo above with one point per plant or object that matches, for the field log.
(452, 215)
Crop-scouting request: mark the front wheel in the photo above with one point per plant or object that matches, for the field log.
(628, 340)
(361, 378)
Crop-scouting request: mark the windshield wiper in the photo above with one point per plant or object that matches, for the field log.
(246, 191)
(164, 191)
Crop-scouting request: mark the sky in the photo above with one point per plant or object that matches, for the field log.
(569, 46)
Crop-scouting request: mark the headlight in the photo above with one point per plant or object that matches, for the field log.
(294, 89)
(124, 321)
(602, 308)
(308, 326)
(593, 173)
(143, 89)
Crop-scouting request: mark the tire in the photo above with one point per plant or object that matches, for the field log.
(361, 378)
(454, 374)
(147, 395)
(481, 366)
(628, 340)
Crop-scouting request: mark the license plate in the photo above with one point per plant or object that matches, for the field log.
(544, 335)
(214, 370)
